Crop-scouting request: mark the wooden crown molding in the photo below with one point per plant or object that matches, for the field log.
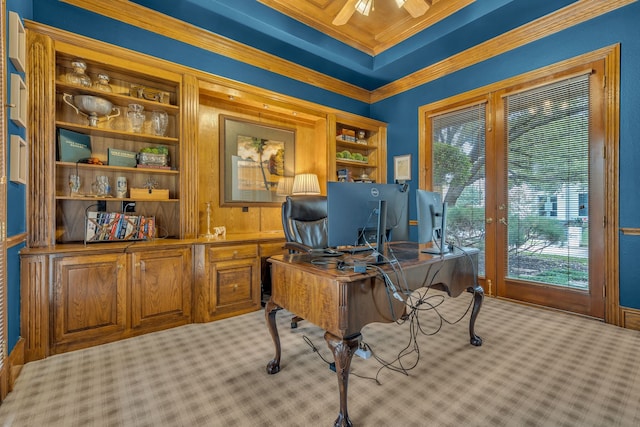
(574, 14)
(138, 16)
(133, 14)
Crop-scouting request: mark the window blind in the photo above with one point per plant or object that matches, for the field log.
(547, 137)
(458, 147)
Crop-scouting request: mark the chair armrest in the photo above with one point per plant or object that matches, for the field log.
(297, 247)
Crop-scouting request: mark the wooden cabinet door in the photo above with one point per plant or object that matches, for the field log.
(234, 287)
(161, 288)
(89, 300)
(228, 281)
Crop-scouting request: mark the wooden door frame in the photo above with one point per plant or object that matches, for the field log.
(589, 303)
(611, 57)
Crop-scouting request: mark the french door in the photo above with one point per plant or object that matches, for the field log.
(522, 172)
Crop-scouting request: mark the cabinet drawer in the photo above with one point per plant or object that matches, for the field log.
(270, 249)
(234, 284)
(233, 252)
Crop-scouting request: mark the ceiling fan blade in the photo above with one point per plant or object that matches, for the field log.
(345, 13)
(416, 8)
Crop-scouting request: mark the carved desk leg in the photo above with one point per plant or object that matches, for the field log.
(270, 310)
(478, 296)
(342, 353)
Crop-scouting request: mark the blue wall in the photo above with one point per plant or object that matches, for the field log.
(620, 26)
(400, 111)
(16, 201)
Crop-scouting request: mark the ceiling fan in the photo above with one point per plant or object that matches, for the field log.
(415, 8)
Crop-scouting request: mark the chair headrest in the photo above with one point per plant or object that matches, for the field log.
(305, 208)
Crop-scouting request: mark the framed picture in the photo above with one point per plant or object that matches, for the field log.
(254, 159)
(402, 168)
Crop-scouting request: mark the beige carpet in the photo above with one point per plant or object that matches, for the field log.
(535, 368)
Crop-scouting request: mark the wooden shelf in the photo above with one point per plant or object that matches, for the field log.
(115, 98)
(354, 145)
(354, 163)
(111, 133)
(375, 149)
(113, 199)
(85, 166)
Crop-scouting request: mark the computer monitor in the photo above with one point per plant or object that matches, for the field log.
(353, 213)
(432, 221)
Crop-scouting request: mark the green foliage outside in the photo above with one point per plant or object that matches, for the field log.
(534, 231)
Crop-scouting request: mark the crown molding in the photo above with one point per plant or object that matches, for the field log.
(567, 17)
(139, 16)
(135, 15)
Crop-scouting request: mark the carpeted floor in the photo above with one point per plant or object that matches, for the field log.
(535, 368)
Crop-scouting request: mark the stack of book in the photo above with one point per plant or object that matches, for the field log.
(344, 175)
(348, 135)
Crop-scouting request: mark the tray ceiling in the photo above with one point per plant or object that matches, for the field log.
(385, 26)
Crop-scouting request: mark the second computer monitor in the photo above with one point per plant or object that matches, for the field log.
(432, 221)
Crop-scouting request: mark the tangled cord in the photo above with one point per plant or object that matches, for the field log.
(424, 303)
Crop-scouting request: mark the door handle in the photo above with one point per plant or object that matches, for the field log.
(503, 221)
(489, 220)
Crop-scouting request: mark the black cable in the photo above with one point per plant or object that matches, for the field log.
(315, 349)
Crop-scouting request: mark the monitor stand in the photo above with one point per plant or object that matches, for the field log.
(439, 247)
(381, 232)
(435, 251)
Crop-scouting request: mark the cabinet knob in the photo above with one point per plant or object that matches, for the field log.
(235, 287)
(235, 253)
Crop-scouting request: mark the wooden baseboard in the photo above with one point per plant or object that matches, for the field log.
(630, 318)
(11, 369)
(15, 363)
(4, 379)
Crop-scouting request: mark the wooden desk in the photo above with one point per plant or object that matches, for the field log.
(342, 302)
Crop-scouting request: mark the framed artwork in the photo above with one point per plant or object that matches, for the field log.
(402, 168)
(255, 160)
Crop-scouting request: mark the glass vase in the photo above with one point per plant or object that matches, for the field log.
(136, 117)
(159, 122)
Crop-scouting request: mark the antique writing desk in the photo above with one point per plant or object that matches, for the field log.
(342, 302)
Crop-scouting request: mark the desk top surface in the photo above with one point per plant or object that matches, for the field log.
(408, 254)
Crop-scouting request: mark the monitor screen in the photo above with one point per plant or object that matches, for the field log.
(352, 212)
(432, 220)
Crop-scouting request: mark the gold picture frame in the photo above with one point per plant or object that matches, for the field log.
(255, 159)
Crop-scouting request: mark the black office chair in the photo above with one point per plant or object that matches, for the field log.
(304, 220)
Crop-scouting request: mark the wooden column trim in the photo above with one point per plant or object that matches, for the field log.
(41, 135)
(189, 157)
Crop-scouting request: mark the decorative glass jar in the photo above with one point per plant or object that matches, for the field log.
(103, 83)
(77, 76)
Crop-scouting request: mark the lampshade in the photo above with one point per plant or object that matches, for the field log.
(306, 183)
(285, 186)
(400, 3)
